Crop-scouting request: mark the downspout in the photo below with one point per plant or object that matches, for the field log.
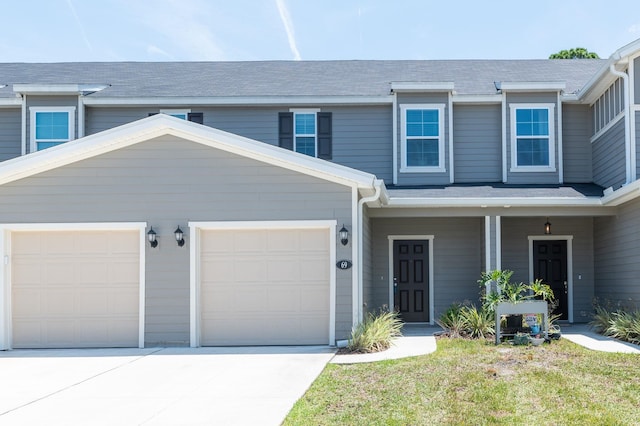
(378, 187)
(627, 119)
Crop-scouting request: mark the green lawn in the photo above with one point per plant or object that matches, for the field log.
(472, 382)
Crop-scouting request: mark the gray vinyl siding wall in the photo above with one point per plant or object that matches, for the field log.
(515, 254)
(362, 135)
(637, 142)
(609, 157)
(534, 177)
(168, 182)
(577, 122)
(424, 178)
(50, 101)
(617, 244)
(477, 143)
(457, 248)
(10, 133)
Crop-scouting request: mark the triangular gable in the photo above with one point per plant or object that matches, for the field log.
(161, 125)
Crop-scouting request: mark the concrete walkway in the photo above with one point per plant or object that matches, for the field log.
(419, 340)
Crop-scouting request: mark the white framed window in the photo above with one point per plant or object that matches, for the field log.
(178, 113)
(422, 135)
(532, 138)
(51, 126)
(305, 131)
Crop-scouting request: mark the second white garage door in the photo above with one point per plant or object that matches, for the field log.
(265, 287)
(75, 288)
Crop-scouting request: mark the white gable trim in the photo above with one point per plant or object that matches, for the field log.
(162, 125)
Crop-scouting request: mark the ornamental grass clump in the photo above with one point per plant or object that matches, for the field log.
(376, 332)
(619, 324)
(465, 320)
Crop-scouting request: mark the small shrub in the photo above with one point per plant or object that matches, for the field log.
(376, 332)
(619, 324)
(478, 323)
(601, 319)
(452, 320)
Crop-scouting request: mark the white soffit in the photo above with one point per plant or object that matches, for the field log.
(421, 86)
(530, 86)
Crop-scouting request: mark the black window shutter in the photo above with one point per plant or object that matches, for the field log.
(285, 130)
(324, 136)
(196, 117)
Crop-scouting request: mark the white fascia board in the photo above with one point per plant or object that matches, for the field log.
(161, 125)
(494, 202)
(531, 86)
(58, 89)
(238, 100)
(477, 99)
(422, 86)
(622, 194)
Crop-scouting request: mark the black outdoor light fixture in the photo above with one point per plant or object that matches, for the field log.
(151, 235)
(344, 235)
(547, 227)
(179, 236)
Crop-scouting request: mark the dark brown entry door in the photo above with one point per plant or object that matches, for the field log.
(411, 279)
(550, 265)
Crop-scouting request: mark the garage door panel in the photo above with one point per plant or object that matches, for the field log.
(270, 287)
(75, 288)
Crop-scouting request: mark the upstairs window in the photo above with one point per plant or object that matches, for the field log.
(306, 131)
(532, 141)
(422, 138)
(183, 114)
(51, 126)
(304, 127)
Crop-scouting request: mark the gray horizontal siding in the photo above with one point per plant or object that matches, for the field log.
(10, 133)
(457, 261)
(515, 254)
(477, 143)
(361, 135)
(168, 182)
(609, 157)
(617, 263)
(637, 142)
(576, 131)
(537, 177)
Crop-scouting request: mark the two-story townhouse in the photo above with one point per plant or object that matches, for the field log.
(245, 203)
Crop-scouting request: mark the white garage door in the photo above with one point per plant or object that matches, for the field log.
(75, 289)
(265, 287)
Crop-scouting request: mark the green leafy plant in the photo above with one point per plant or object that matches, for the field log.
(376, 332)
(478, 323)
(497, 288)
(452, 320)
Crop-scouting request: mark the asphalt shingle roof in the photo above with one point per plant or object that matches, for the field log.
(577, 191)
(293, 78)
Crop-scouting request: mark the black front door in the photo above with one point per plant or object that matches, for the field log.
(411, 279)
(550, 265)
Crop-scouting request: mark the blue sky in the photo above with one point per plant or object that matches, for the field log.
(189, 30)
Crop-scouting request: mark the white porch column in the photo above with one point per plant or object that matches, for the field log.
(493, 243)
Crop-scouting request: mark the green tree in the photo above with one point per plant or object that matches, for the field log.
(575, 53)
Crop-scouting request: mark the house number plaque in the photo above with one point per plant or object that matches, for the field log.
(344, 264)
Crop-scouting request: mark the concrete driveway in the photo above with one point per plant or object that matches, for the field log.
(156, 386)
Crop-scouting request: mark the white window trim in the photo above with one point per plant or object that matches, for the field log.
(184, 112)
(32, 124)
(552, 140)
(313, 111)
(404, 168)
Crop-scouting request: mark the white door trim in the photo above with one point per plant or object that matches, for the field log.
(430, 239)
(195, 229)
(5, 266)
(569, 240)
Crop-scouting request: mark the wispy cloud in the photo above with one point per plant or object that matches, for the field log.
(634, 29)
(155, 50)
(288, 27)
(79, 22)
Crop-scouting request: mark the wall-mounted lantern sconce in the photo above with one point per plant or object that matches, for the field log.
(344, 235)
(547, 227)
(151, 235)
(179, 236)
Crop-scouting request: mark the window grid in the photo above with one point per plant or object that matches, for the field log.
(305, 133)
(422, 138)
